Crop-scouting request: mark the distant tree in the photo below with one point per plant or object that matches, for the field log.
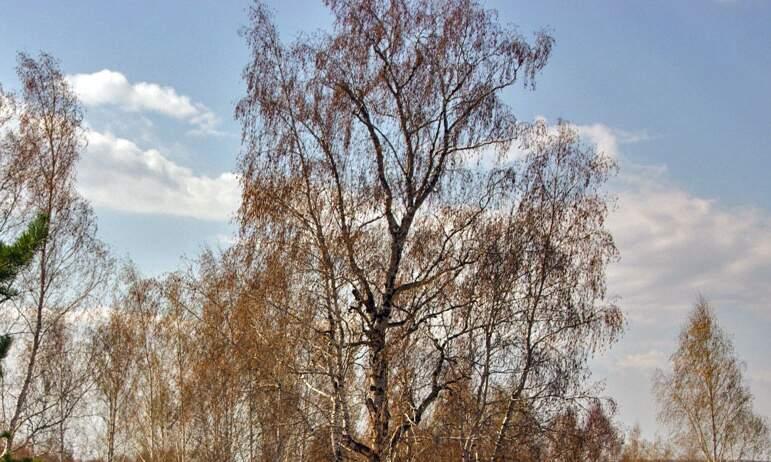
(704, 399)
(632, 450)
(115, 361)
(638, 449)
(602, 439)
(591, 437)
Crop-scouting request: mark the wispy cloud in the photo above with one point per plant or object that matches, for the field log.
(605, 140)
(111, 88)
(650, 359)
(675, 245)
(116, 173)
(608, 140)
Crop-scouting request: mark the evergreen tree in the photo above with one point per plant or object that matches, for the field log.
(14, 258)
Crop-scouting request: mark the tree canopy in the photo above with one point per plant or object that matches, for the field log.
(704, 399)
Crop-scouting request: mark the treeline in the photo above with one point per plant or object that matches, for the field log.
(417, 275)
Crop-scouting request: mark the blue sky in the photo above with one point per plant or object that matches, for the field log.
(678, 91)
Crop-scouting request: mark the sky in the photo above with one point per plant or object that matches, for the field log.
(678, 92)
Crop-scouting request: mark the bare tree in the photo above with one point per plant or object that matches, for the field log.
(704, 399)
(602, 439)
(418, 275)
(638, 449)
(378, 186)
(58, 392)
(253, 407)
(114, 345)
(153, 398)
(71, 264)
(15, 165)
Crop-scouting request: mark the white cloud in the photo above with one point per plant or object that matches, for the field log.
(607, 140)
(650, 359)
(111, 88)
(675, 245)
(601, 136)
(116, 173)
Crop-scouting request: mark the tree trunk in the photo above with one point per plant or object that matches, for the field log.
(378, 390)
(21, 401)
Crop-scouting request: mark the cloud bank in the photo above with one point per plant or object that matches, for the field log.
(111, 88)
(115, 173)
(675, 245)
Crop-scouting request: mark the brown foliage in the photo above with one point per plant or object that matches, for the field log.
(704, 400)
(419, 256)
(71, 264)
(418, 276)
